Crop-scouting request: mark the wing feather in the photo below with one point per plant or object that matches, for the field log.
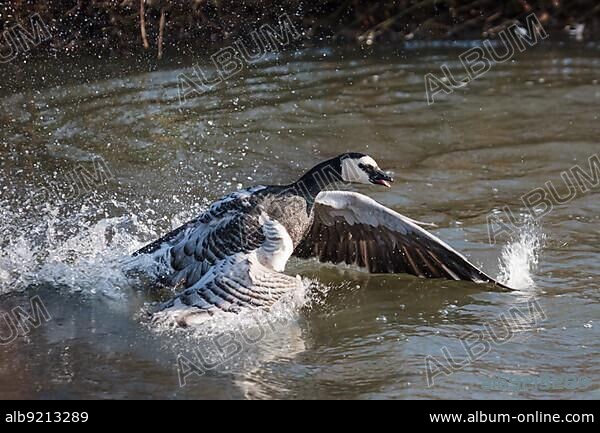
(227, 259)
(238, 282)
(354, 229)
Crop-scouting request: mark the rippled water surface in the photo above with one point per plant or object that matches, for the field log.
(351, 335)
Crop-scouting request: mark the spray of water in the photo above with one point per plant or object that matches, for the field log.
(76, 250)
(520, 257)
(81, 249)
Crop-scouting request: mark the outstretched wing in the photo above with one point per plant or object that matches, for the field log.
(230, 258)
(230, 226)
(355, 229)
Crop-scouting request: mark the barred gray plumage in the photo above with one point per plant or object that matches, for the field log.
(233, 256)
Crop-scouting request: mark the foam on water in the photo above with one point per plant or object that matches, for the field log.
(520, 257)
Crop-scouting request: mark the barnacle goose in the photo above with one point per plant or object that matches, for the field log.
(234, 254)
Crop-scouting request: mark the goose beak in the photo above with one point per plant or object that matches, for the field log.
(380, 178)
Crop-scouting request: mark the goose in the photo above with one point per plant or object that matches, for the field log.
(233, 256)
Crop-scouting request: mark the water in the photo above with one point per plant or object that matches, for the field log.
(352, 335)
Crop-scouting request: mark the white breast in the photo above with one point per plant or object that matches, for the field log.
(278, 246)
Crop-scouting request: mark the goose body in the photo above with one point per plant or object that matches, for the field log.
(233, 256)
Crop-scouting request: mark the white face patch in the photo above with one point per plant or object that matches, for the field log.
(351, 171)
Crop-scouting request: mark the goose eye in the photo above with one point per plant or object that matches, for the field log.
(367, 168)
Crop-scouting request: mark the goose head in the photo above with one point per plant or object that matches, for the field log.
(361, 168)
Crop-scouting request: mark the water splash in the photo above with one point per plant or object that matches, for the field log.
(87, 249)
(520, 257)
(76, 249)
(240, 342)
(90, 260)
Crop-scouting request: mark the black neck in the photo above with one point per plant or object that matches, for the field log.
(318, 178)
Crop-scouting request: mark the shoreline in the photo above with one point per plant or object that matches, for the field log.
(161, 29)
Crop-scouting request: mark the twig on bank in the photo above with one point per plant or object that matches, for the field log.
(461, 27)
(497, 29)
(161, 33)
(143, 25)
(384, 24)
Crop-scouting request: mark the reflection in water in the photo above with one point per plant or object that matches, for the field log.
(352, 334)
